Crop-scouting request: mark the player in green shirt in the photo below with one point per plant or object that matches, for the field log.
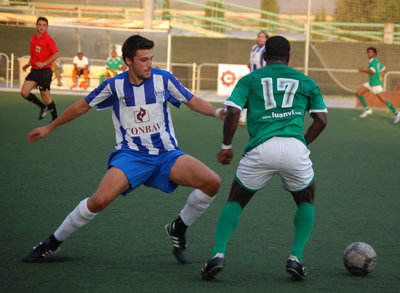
(114, 65)
(375, 70)
(277, 98)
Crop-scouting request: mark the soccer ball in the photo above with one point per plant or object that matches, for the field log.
(359, 258)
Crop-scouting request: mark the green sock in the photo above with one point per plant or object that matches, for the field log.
(390, 106)
(227, 223)
(363, 102)
(303, 225)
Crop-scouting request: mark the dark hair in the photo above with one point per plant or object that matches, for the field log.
(134, 43)
(277, 47)
(265, 34)
(373, 49)
(42, 18)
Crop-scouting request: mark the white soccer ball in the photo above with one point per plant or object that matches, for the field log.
(359, 258)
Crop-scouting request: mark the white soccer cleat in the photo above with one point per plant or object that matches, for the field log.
(366, 113)
(396, 118)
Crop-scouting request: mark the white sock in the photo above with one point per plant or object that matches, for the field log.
(195, 206)
(79, 217)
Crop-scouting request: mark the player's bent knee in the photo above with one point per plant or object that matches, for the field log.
(211, 186)
(95, 204)
(24, 94)
(306, 195)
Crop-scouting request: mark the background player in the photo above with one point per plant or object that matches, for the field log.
(146, 149)
(43, 51)
(81, 66)
(277, 97)
(375, 71)
(256, 61)
(114, 65)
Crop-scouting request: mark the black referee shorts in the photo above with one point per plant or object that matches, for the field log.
(42, 77)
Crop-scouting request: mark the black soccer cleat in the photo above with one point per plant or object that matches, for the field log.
(43, 250)
(295, 268)
(43, 112)
(212, 267)
(178, 242)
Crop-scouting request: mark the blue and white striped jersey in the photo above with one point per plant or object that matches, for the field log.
(140, 113)
(257, 57)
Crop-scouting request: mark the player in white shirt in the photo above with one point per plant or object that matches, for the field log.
(81, 66)
(147, 151)
(256, 61)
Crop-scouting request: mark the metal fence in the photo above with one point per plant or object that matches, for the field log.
(204, 76)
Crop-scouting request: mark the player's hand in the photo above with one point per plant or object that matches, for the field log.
(38, 133)
(225, 156)
(39, 64)
(221, 113)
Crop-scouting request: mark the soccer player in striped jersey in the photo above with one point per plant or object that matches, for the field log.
(278, 98)
(147, 151)
(375, 71)
(256, 62)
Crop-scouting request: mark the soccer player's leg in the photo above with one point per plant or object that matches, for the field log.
(188, 171)
(380, 95)
(228, 220)
(85, 81)
(27, 87)
(74, 74)
(303, 224)
(360, 95)
(113, 184)
(45, 94)
(297, 177)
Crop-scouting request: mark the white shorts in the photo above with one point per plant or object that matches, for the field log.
(377, 89)
(287, 156)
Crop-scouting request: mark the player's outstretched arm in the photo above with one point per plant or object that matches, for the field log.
(75, 110)
(320, 120)
(199, 105)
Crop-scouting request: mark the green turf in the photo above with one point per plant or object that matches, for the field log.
(125, 250)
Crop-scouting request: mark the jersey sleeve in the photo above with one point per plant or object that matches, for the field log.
(52, 46)
(102, 97)
(240, 94)
(316, 101)
(371, 67)
(178, 93)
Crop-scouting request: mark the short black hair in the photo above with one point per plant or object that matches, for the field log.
(43, 19)
(277, 47)
(134, 43)
(373, 49)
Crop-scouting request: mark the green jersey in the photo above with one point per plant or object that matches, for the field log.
(113, 63)
(376, 67)
(276, 97)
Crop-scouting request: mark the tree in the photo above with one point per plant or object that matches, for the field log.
(214, 13)
(368, 11)
(270, 6)
(320, 16)
(165, 10)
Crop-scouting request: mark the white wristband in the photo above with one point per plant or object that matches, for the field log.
(226, 147)
(217, 112)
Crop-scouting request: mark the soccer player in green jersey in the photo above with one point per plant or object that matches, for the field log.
(277, 98)
(375, 71)
(114, 65)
